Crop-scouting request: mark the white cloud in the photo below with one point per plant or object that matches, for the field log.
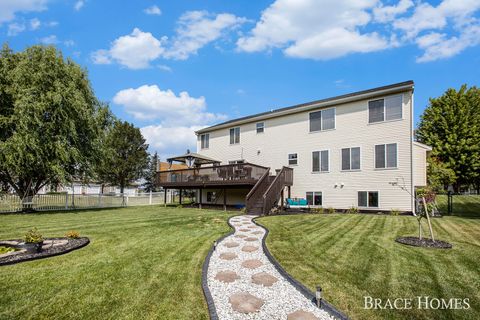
(170, 141)
(79, 5)
(69, 43)
(198, 28)
(306, 29)
(8, 8)
(437, 46)
(15, 28)
(135, 51)
(35, 24)
(150, 102)
(165, 68)
(153, 10)
(51, 39)
(388, 13)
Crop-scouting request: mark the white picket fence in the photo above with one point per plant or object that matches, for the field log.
(65, 201)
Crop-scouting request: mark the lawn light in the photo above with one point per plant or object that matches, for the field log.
(214, 245)
(318, 296)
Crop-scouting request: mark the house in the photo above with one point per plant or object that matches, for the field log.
(353, 150)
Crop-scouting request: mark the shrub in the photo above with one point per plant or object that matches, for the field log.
(33, 236)
(4, 250)
(330, 210)
(395, 212)
(72, 234)
(352, 210)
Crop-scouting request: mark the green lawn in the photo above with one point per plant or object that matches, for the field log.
(466, 206)
(142, 263)
(352, 256)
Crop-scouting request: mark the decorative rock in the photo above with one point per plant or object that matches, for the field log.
(251, 239)
(240, 236)
(228, 256)
(264, 279)
(231, 244)
(227, 276)
(252, 264)
(301, 315)
(244, 230)
(249, 248)
(244, 302)
(257, 232)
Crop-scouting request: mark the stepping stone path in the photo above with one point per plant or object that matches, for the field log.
(245, 285)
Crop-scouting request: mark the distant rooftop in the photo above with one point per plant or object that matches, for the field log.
(349, 97)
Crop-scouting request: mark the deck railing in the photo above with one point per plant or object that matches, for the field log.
(283, 178)
(225, 174)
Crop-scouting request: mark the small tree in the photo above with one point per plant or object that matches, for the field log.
(124, 157)
(439, 174)
(151, 174)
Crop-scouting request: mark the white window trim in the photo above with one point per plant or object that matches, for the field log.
(257, 128)
(320, 164)
(313, 192)
(341, 159)
(367, 207)
(239, 136)
(321, 129)
(385, 154)
(288, 159)
(384, 110)
(205, 134)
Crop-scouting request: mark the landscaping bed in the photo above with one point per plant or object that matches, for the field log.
(51, 247)
(424, 242)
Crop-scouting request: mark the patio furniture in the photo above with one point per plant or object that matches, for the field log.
(297, 203)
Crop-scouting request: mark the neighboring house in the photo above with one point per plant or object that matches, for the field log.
(165, 166)
(354, 150)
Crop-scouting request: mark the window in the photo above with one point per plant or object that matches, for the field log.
(314, 198)
(368, 199)
(235, 135)
(322, 120)
(211, 196)
(386, 109)
(386, 156)
(205, 141)
(236, 161)
(260, 127)
(320, 161)
(351, 158)
(292, 159)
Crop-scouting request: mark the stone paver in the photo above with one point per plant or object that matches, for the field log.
(252, 264)
(249, 248)
(301, 315)
(228, 256)
(227, 276)
(244, 302)
(264, 279)
(250, 239)
(231, 244)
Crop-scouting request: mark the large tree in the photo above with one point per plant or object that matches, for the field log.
(50, 120)
(151, 173)
(451, 125)
(124, 156)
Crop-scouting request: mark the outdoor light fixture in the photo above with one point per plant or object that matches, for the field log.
(342, 184)
(318, 296)
(336, 185)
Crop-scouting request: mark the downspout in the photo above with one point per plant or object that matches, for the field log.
(412, 192)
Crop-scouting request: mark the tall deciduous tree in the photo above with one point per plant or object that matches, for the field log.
(124, 156)
(451, 125)
(50, 120)
(151, 173)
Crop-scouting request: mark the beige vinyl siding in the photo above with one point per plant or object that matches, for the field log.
(419, 165)
(290, 134)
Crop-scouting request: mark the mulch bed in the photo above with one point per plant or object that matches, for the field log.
(424, 242)
(72, 244)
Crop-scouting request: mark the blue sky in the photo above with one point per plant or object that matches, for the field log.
(171, 67)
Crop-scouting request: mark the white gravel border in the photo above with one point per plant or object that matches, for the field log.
(280, 299)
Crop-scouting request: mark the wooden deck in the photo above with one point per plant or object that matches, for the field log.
(234, 175)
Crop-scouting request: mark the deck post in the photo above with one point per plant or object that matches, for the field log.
(200, 199)
(180, 197)
(224, 199)
(165, 196)
(289, 192)
(283, 200)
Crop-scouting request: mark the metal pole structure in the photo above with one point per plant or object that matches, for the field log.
(165, 196)
(224, 199)
(180, 197)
